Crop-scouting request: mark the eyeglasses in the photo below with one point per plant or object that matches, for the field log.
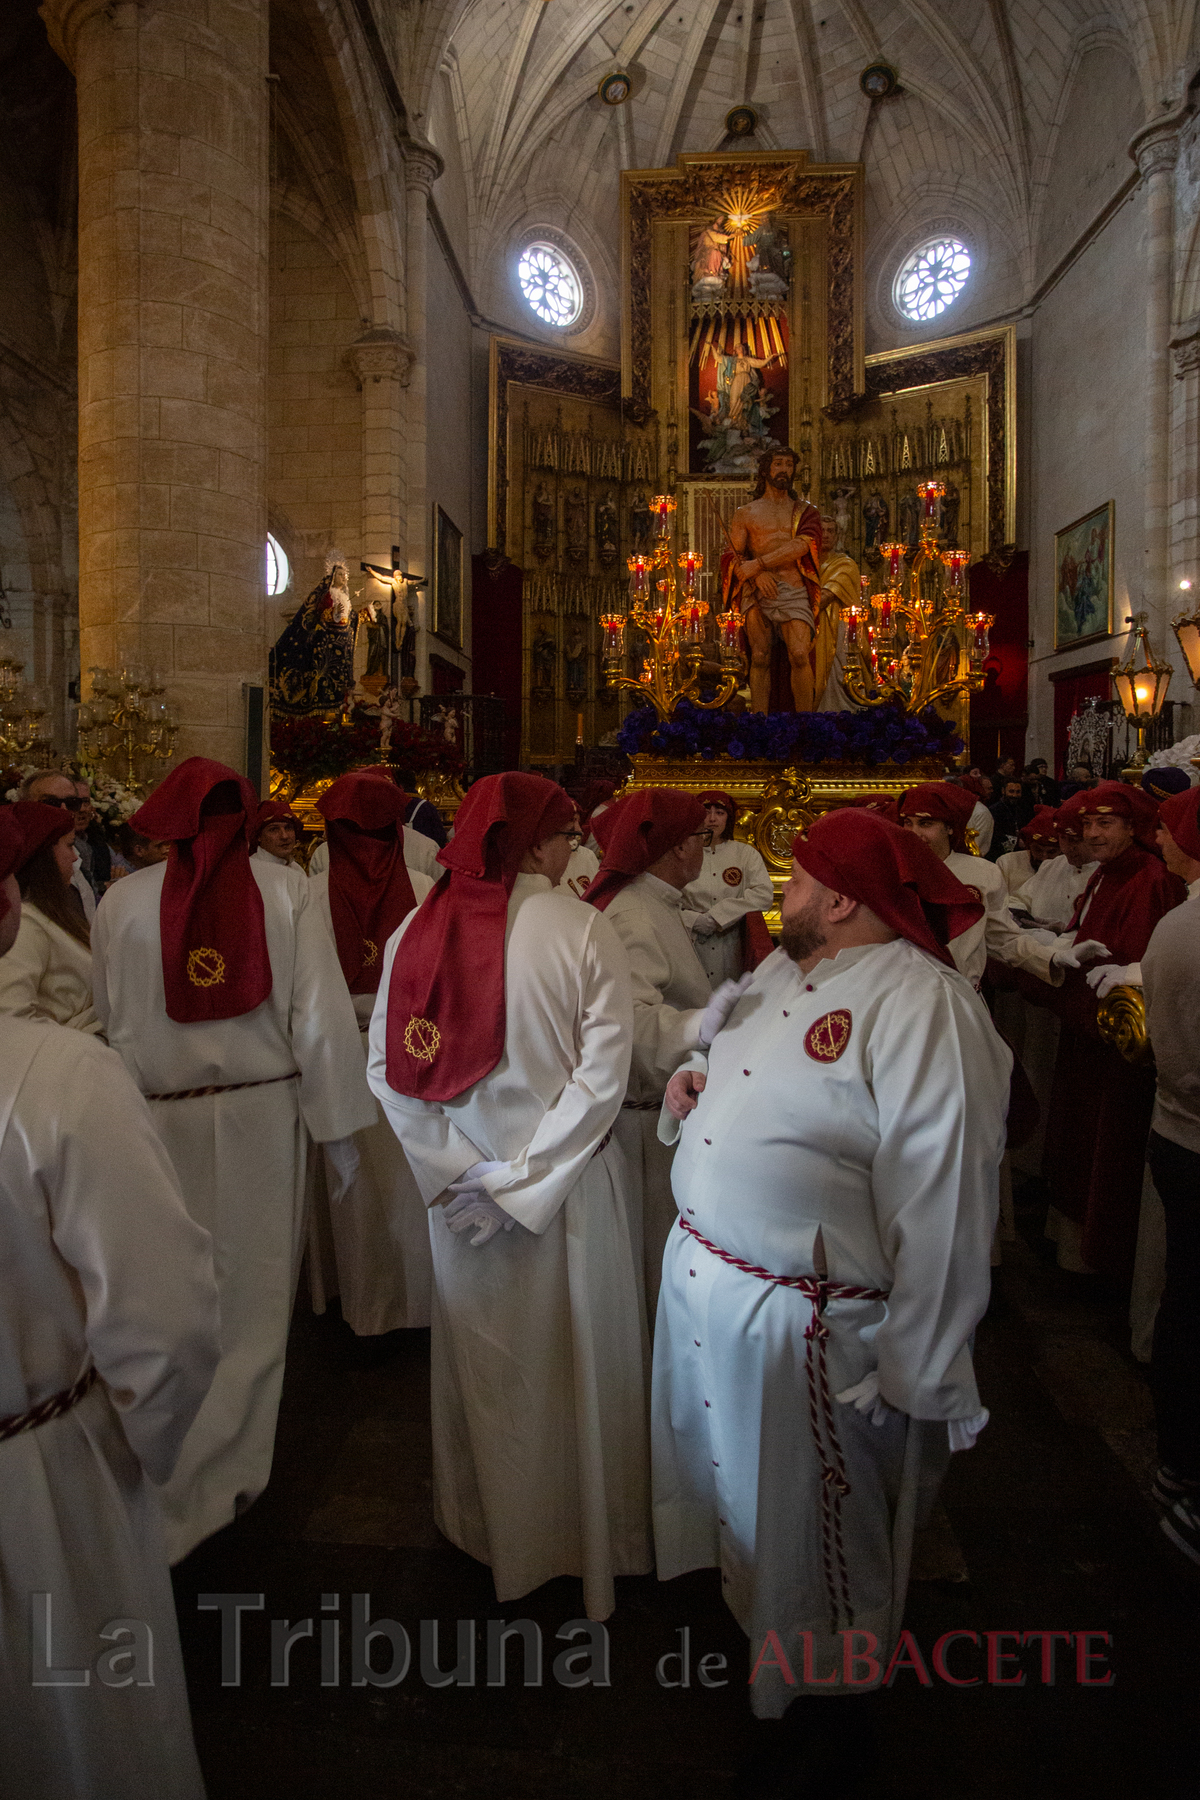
(71, 805)
(574, 838)
(706, 837)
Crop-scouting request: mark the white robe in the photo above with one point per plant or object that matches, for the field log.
(47, 974)
(1053, 889)
(378, 1226)
(982, 824)
(881, 1161)
(670, 992)
(280, 862)
(1016, 866)
(997, 932)
(540, 1453)
(102, 1265)
(420, 852)
(733, 882)
(580, 872)
(239, 1157)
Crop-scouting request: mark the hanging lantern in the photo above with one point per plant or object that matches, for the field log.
(1141, 686)
(1187, 629)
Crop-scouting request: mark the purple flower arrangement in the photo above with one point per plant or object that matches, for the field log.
(879, 734)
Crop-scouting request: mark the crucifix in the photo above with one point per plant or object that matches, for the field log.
(400, 658)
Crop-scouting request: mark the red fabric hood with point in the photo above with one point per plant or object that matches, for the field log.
(1180, 813)
(892, 871)
(446, 1014)
(370, 889)
(214, 938)
(636, 832)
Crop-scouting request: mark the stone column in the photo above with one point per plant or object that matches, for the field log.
(382, 360)
(422, 166)
(1154, 151)
(173, 206)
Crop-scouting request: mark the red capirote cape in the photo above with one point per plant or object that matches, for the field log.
(893, 872)
(635, 833)
(370, 889)
(940, 800)
(12, 853)
(446, 1014)
(1180, 813)
(214, 937)
(38, 825)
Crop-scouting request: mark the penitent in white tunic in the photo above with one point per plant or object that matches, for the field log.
(670, 992)
(47, 974)
(732, 882)
(102, 1266)
(540, 1358)
(420, 853)
(997, 932)
(853, 1116)
(582, 868)
(239, 1157)
(1053, 889)
(379, 1229)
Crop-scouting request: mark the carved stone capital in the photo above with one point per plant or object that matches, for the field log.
(379, 353)
(65, 19)
(422, 163)
(1186, 348)
(1156, 148)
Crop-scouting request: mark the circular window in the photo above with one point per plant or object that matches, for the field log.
(279, 571)
(932, 278)
(550, 284)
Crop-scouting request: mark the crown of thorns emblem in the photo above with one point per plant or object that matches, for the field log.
(421, 1039)
(370, 952)
(205, 967)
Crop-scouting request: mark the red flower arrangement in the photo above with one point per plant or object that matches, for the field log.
(309, 749)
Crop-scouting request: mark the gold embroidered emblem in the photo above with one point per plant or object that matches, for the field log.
(732, 877)
(975, 891)
(370, 953)
(827, 1039)
(422, 1039)
(205, 967)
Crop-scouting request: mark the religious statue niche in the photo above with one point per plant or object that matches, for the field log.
(740, 275)
(311, 666)
(544, 533)
(543, 657)
(575, 649)
(608, 531)
(575, 517)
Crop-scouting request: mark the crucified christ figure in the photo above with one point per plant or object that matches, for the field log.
(778, 537)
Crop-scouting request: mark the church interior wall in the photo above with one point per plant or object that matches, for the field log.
(314, 409)
(448, 473)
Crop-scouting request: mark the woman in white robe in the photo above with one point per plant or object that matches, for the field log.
(48, 972)
(103, 1270)
(241, 1093)
(540, 1451)
(733, 881)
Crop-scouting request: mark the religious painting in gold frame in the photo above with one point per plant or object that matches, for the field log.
(1083, 579)
(742, 317)
(448, 577)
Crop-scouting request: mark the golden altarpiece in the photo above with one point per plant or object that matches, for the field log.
(742, 329)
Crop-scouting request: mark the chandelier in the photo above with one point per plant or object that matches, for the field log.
(917, 642)
(126, 719)
(671, 619)
(24, 730)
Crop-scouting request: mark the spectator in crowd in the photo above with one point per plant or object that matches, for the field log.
(1006, 769)
(1010, 814)
(130, 851)
(90, 845)
(1079, 777)
(48, 972)
(1038, 783)
(55, 787)
(423, 816)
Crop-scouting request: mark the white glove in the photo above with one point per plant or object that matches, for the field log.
(1107, 976)
(963, 1432)
(720, 1006)
(1073, 956)
(703, 925)
(868, 1400)
(342, 1156)
(473, 1177)
(473, 1208)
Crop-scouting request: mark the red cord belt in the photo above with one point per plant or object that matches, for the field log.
(834, 1483)
(45, 1410)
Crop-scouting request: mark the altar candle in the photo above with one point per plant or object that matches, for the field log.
(639, 578)
(579, 728)
(662, 506)
(893, 552)
(930, 492)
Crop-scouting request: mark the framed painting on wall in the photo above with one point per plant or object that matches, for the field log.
(1083, 579)
(447, 579)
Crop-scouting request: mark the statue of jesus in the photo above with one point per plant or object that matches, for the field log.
(778, 537)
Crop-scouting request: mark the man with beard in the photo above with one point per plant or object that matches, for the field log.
(837, 1179)
(778, 537)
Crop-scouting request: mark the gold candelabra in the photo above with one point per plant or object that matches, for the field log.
(917, 646)
(672, 619)
(126, 718)
(24, 730)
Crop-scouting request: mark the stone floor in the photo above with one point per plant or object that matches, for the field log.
(1044, 1526)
